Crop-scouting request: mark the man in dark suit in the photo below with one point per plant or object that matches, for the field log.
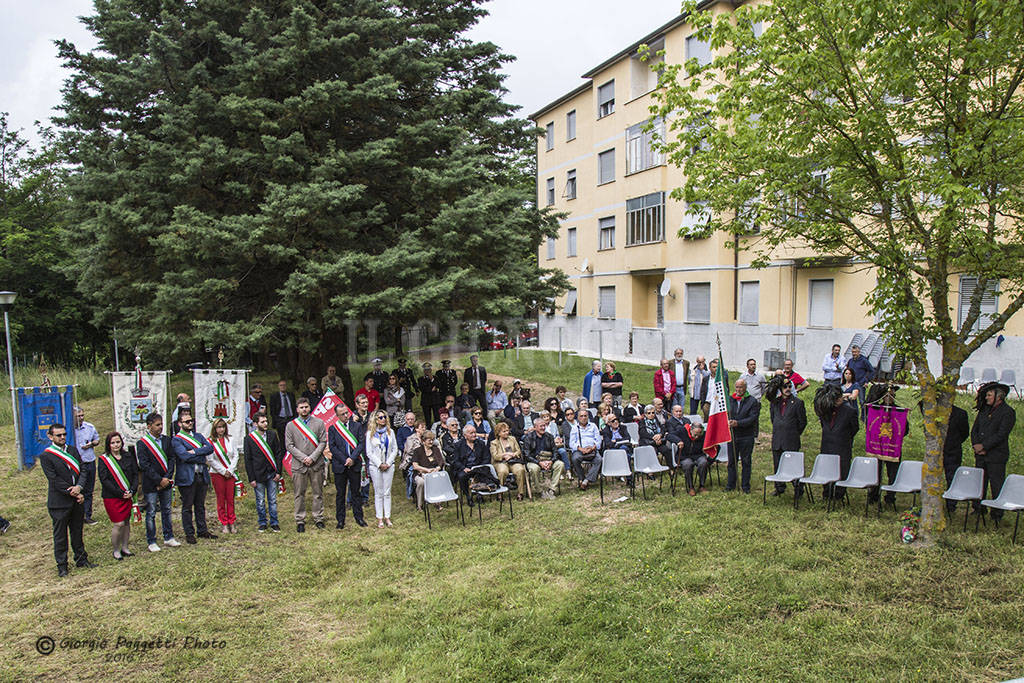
(346, 463)
(430, 395)
(476, 377)
(522, 421)
(282, 408)
(839, 425)
(192, 477)
(379, 376)
(650, 432)
(447, 380)
(64, 500)
(156, 463)
(470, 452)
(407, 380)
(990, 439)
(744, 412)
(264, 455)
(789, 419)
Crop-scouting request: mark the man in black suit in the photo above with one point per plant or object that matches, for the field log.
(522, 421)
(282, 408)
(346, 463)
(156, 462)
(990, 439)
(430, 395)
(476, 377)
(447, 380)
(789, 419)
(839, 424)
(379, 376)
(64, 500)
(469, 453)
(744, 412)
(407, 380)
(675, 432)
(264, 455)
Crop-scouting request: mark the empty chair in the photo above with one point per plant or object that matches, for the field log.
(1009, 378)
(1010, 499)
(694, 419)
(496, 492)
(645, 461)
(966, 378)
(908, 480)
(633, 429)
(966, 485)
(437, 489)
(825, 473)
(863, 475)
(791, 471)
(988, 375)
(615, 463)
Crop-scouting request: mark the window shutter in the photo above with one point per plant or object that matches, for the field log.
(820, 314)
(698, 302)
(989, 302)
(606, 302)
(750, 296)
(570, 302)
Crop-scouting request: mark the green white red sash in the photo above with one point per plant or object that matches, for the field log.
(305, 431)
(154, 447)
(349, 438)
(68, 459)
(191, 441)
(262, 444)
(221, 451)
(115, 469)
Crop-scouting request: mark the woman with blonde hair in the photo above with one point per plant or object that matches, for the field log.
(223, 463)
(381, 452)
(506, 455)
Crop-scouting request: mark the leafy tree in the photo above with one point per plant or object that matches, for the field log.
(264, 173)
(886, 131)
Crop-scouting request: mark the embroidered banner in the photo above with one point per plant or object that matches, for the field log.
(885, 430)
(136, 395)
(221, 394)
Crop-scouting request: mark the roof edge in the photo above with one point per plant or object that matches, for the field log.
(561, 100)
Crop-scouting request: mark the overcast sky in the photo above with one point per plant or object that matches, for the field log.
(554, 41)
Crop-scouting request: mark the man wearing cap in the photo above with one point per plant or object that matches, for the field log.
(517, 389)
(990, 439)
(476, 377)
(378, 375)
(447, 380)
(407, 380)
(430, 395)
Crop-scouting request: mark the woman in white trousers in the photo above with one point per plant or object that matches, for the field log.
(381, 452)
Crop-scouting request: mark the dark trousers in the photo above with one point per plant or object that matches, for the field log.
(431, 414)
(280, 423)
(67, 520)
(742, 450)
(694, 406)
(949, 465)
(348, 480)
(463, 479)
(702, 470)
(780, 486)
(481, 398)
(890, 475)
(88, 482)
(844, 471)
(193, 499)
(995, 473)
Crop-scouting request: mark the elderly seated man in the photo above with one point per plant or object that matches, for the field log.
(539, 452)
(470, 452)
(690, 453)
(585, 444)
(653, 433)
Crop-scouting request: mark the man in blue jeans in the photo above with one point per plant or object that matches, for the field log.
(156, 463)
(264, 455)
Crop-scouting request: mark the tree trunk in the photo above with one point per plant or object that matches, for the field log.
(399, 352)
(937, 401)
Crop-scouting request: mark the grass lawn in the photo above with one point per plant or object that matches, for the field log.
(682, 588)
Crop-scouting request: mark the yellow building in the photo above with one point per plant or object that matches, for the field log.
(620, 245)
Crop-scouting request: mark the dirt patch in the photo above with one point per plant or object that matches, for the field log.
(538, 392)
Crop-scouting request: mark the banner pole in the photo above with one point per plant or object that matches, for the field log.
(14, 399)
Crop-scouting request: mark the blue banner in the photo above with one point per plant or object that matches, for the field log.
(38, 408)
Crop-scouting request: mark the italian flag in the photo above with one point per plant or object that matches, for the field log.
(717, 431)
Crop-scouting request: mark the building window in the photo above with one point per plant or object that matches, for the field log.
(570, 184)
(750, 301)
(645, 219)
(820, 306)
(551, 248)
(989, 302)
(696, 220)
(644, 73)
(606, 99)
(606, 232)
(698, 49)
(640, 151)
(606, 167)
(570, 302)
(570, 126)
(549, 135)
(571, 240)
(606, 302)
(551, 191)
(698, 302)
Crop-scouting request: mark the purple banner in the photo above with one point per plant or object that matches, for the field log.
(886, 427)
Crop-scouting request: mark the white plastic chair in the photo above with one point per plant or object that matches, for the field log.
(988, 375)
(437, 489)
(633, 429)
(863, 475)
(1009, 378)
(694, 419)
(790, 471)
(645, 461)
(825, 472)
(1010, 498)
(721, 459)
(615, 463)
(966, 378)
(908, 480)
(496, 492)
(968, 484)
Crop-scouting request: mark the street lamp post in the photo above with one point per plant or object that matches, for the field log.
(6, 302)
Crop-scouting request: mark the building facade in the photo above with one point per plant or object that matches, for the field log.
(640, 289)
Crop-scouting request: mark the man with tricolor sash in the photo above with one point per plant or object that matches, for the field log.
(305, 438)
(192, 476)
(347, 443)
(264, 457)
(156, 462)
(62, 466)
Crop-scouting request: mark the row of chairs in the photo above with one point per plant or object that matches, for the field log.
(967, 485)
(968, 378)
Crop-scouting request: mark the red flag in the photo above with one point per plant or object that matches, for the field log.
(325, 408)
(717, 431)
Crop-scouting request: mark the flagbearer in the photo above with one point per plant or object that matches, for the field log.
(263, 462)
(192, 476)
(118, 475)
(346, 440)
(223, 464)
(744, 412)
(305, 438)
(64, 500)
(156, 462)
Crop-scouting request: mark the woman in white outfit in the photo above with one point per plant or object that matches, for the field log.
(381, 452)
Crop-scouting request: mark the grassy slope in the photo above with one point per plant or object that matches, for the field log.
(702, 588)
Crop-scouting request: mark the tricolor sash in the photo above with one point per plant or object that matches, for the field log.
(154, 447)
(115, 469)
(66, 457)
(262, 444)
(349, 438)
(191, 441)
(221, 451)
(305, 431)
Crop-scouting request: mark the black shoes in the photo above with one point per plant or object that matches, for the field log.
(62, 570)
(89, 521)
(319, 525)
(340, 525)
(275, 528)
(86, 564)
(207, 534)
(191, 540)
(361, 522)
(263, 527)
(300, 528)
(4, 527)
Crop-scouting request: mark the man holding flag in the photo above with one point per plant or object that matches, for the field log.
(63, 469)
(263, 463)
(346, 442)
(744, 412)
(305, 438)
(717, 431)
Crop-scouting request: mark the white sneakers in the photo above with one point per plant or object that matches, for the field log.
(172, 542)
(154, 548)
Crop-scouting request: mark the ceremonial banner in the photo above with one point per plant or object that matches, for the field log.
(886, 427)
(136, 395)
(325, 408)
(38, 408)
(220, 394)
(717, 431)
